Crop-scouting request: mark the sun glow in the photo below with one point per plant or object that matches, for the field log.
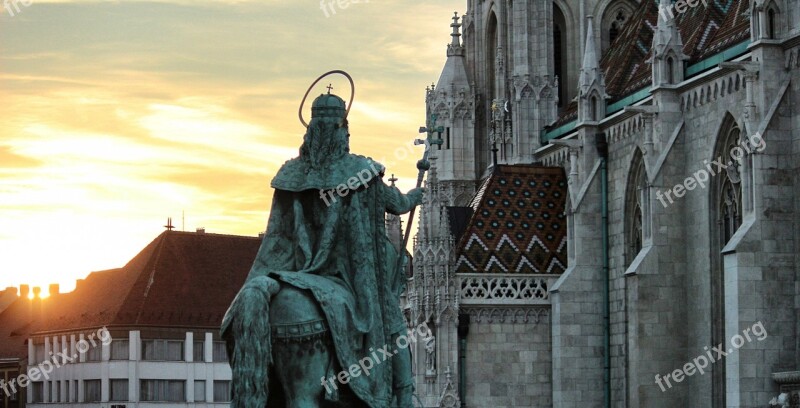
(111, 126)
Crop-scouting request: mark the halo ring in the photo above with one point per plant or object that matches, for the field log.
(335, 71)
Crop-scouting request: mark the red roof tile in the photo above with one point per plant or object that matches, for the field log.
(705, 31)
(181, 279)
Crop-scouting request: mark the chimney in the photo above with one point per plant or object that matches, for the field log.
(55, 289)
(201, 230)
(24, 291)
(36, 311)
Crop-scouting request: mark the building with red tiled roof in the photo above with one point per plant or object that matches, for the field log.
(146, 333)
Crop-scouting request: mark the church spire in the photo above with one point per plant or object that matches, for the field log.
(455, 48)
(668, 53)
(590, 60)
(592, 91)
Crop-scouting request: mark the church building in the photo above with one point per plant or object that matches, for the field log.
(612, 215)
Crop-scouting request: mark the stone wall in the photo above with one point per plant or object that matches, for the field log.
(509, 364)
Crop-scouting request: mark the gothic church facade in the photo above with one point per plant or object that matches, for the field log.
(613, 206)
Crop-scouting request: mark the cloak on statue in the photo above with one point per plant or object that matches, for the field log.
(326, 234)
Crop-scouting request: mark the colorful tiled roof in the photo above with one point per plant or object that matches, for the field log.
(705, 31)
(518, 225)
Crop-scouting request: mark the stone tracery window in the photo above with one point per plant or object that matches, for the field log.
(730, 189)
(634, 208)
(726, 216)
(616, 26)
(613, 21)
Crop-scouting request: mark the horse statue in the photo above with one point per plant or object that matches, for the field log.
(317, 322)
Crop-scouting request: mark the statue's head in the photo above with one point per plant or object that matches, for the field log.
(327, 137)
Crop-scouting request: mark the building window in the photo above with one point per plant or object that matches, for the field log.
(616, 26)
(95, 353)
(199, 351)
(634, 202)
(726, 209)
(670, 71)
(613, 21)
(120, 350)
(771, 24)
(162, 350)
(55, 391)
(199, 391)
(163, 391)
(220, 353)
(38, 353)
(91, 391)
(222, 391)
(119, 390)
(38, 392)
(13, 396)
(560, 54)
(68, 391)
(730, 194)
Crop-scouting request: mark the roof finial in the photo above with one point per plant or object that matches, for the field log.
(330, 88)
(393, 179)
(169, 225)
(590, 60)
(456, 42)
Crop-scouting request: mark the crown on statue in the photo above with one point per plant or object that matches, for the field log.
(328, 106)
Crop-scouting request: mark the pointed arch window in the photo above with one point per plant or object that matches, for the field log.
(635, 202)
(729, 193)
(594, 110)
(726, 215)
(614, 20)
(670, 70)
(560, 53)
(771, 23)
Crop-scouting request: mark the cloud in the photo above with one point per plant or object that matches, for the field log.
(118, 114)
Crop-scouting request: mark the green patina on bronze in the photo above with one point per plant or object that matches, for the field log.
(323, 292)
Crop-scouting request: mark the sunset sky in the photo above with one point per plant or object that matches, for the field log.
(117, 115)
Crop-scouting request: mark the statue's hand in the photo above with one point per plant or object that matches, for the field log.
(415, 196)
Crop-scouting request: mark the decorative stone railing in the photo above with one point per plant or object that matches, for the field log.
(507, 289)
(789, 382)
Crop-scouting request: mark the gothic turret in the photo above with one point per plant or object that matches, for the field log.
(668, 56)
(452, 100)
(592, 86)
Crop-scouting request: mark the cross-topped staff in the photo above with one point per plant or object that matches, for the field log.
(423, 165)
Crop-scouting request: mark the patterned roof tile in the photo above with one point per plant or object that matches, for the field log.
(518, 225)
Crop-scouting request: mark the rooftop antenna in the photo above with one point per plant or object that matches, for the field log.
(169, 225)
(183, 220)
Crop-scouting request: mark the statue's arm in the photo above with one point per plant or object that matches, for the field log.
(398, 203)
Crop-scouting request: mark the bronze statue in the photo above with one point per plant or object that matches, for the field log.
(317, 321)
